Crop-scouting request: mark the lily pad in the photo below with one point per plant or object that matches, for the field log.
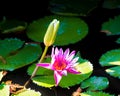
(112, 27)
(9, 45)
(114, 71)
(4, 90)
(9, 26)
(118, 40)
(28, 92)
(110, 58)
(89, 93)
(71, 30)
(13, 57)
(95, 83)
(45, 77)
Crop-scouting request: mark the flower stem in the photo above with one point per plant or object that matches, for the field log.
(36, 68)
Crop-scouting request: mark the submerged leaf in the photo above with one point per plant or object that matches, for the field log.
(112, 27)
(71, 7)
(8, 26)
(71, 30)
(111, 4)
(95, 83)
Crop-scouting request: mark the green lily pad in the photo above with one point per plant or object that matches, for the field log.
(95, 83)
(111, 4)
(118, 41)
(99, 93)
(9, 26)
(4, 90)
(71, 7)
(114, 71)
(110, 58)
(112, 27)
(9, 45)
(45, 76)
(13, 57)
(28, 92)
(71, 30)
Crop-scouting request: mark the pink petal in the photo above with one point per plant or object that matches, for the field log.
(74, 60)
(70, 57)
(52, 54)
(73, 71)
(56, 51)
(66, 53)
(57, 77)
(45, 65)
(60, 51)
(64, 72)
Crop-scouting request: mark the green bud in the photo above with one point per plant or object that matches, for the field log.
(51, 32)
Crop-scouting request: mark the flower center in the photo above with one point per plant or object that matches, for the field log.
(59, 65)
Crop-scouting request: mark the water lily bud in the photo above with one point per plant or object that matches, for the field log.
(51, 32)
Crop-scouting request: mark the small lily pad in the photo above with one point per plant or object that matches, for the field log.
(112, 27)
(110, 58)
(95, 83)
(71, 30)
(28, 92)
(14, 55)
(45, 76)
(118, 40)
(4, 90)
(99, 93)
(114, 71)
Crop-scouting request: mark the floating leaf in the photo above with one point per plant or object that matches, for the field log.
(9, 45)
(8, 26)
(71, 30)
(112, 26)
(13, 58)
(114, 71)
(4, 90)
(111, 4)
(89, 93)
(71, 7)
(110, 58)
(95, 83)
(28, 92)
(118, 41)
(46, 78)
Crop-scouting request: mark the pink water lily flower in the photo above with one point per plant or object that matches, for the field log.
(61, 63)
